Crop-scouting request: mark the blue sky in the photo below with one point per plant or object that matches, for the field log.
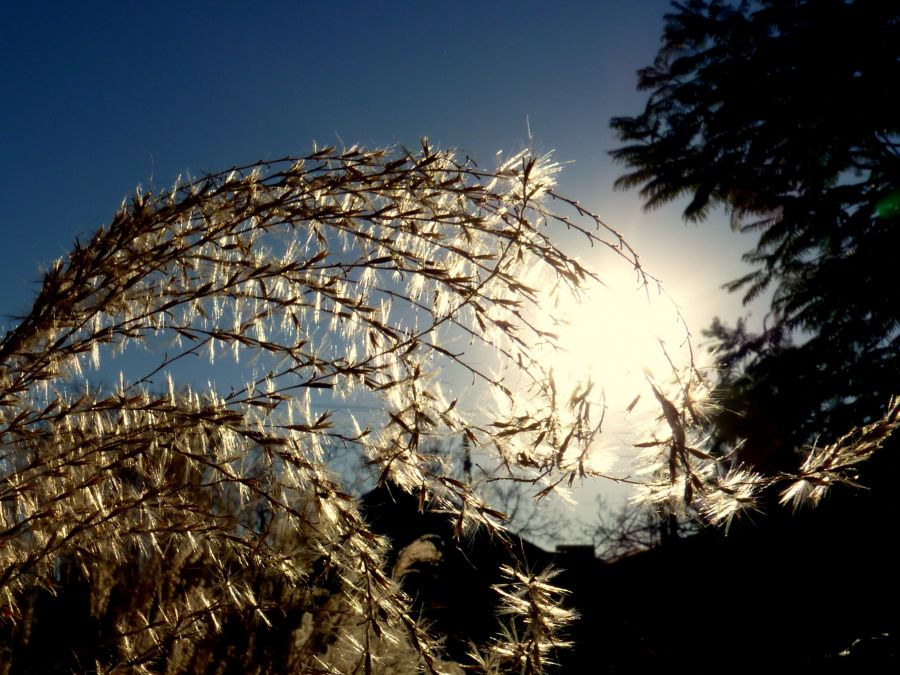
(102, 96)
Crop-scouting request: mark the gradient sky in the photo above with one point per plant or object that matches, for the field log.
(99, 97)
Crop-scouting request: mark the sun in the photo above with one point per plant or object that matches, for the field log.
(622, 334)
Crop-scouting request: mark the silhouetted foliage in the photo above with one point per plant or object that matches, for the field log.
(777, 111)
(632, 528)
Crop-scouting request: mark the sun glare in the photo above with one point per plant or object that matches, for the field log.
(620, 335)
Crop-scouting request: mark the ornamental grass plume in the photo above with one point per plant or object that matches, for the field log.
(190, 513)
(155, 520)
